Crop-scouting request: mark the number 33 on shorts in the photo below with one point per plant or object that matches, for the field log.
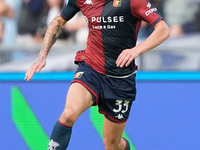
(121, 108)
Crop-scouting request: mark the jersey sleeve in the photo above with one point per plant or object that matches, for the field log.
(69, 10)
(146, 11)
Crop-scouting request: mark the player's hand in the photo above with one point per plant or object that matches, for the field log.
(35, 67)
(126, 57)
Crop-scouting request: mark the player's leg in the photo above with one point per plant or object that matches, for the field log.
(112, 136)
(78, 100)
(116, 103)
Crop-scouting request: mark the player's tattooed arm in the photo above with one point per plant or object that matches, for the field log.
(53, 31)
(50, 38)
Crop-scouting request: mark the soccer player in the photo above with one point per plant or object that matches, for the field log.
(106, 73)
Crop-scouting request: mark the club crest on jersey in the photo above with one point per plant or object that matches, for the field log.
(78, 74)
(117, 3)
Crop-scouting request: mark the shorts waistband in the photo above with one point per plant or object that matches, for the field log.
(126, 76)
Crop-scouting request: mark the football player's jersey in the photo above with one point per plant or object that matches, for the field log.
(113, 27)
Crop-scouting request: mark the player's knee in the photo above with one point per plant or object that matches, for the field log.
(68, 116)
(110, 143)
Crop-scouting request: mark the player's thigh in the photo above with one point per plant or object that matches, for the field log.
(78, 100)
(112, 132)
(78, 97)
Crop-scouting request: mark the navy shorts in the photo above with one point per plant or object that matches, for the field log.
(114, 96)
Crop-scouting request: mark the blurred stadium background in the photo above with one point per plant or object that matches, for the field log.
(165, 115)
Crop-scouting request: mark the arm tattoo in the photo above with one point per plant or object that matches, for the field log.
(53, 31)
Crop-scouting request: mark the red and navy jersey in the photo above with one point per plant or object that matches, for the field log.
(113, 27)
